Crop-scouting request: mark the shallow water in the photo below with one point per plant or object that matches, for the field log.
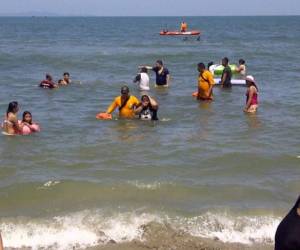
(206, 168)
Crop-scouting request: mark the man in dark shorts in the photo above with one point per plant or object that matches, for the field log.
(227, 74)
(162, 73)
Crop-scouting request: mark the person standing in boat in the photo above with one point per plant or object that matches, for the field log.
(183, 27)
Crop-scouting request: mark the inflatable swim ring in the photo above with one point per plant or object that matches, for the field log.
(29, 129)
(217, 69)
(104, 116)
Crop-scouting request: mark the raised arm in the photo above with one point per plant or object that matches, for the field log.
(145, 66)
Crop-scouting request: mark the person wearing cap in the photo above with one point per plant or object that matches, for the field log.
(227, 74)
(205, 83)
(162, 73)
(48, 83)
(126, 104)
(252, 95)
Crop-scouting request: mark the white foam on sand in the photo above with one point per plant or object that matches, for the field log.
(92, 228)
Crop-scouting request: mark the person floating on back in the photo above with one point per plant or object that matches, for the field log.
(183, 27)
(126, 104)
(205, 84)
(147, 109)
(252, 95)
(48, 83)
(227, 74)
(162, 73)
(143, 80)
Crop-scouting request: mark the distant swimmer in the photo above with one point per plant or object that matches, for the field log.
(126, 104)
(287, 235)
(27, 125)
(183, 27)
(142, 79)
(252, 95)
(242, 67)
(205, 83)
(162, 73)
(147, 109)
(10, 124)
(66, 79)
(227, 74)
(48, 83)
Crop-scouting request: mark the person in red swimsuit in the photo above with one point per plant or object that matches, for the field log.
(252, 95)
(48, 83)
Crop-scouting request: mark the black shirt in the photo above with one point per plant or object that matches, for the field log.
(161, 79)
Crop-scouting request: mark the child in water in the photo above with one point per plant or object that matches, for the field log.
(28, 126)
(242, 67)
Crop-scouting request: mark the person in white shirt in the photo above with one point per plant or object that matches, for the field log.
(142, 79)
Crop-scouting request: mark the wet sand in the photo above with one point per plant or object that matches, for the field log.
(160, 237)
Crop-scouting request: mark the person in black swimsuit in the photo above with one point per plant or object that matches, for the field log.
(147, 109)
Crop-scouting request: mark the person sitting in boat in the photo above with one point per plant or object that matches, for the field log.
(183, 27)
(48, 83)
(162, 73)
(142, 79)
(147, 109)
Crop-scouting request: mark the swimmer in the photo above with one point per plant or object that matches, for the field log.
(252, 95)
(242, 67)
(143, 80)
(126, 104)
(66, 78)
(162, 73)
(205, 84)
(28, 126)
(48, 83)
(147, 109)
(10, 124)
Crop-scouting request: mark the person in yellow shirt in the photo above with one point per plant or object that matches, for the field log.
(183, 27)
(205, 84)
(126, 104)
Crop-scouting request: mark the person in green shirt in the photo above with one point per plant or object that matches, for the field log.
(227, 74)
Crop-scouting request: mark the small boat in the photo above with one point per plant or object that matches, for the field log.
(179, 33)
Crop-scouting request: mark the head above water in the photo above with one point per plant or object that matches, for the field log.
(13, 107)
(66, 74)
(201, 67)
(49, 77)
(27, 117)
(124, 90)
(242, 62)
(159, 63)
(250, 81)
(144, 70)
(225, 61)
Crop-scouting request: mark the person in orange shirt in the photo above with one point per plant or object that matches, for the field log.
(126, 104)
(183, 27)
(205, 84)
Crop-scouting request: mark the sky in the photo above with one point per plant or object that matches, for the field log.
(150, 8)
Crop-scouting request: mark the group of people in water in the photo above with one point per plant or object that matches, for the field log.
(146, 108)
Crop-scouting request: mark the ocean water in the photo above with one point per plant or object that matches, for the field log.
(207, 169)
